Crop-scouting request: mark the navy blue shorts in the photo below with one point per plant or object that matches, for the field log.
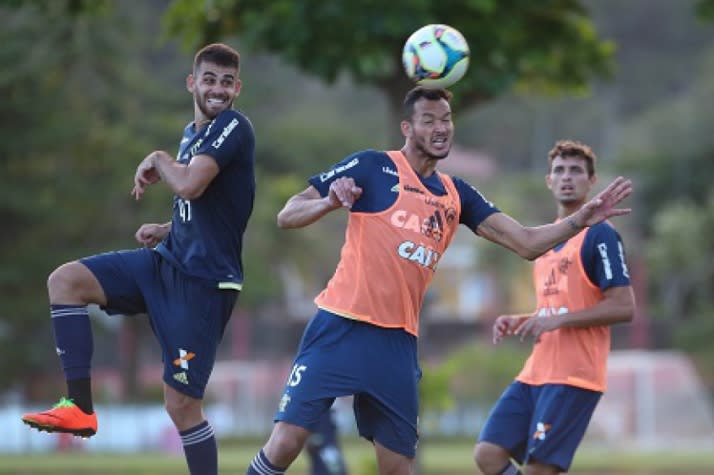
(341, 357)
(188, 315)
(544, 423)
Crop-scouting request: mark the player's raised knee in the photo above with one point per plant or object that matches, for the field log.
(490, 458)
(73, 283)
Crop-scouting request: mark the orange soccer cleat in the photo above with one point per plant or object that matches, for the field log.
(64, 416)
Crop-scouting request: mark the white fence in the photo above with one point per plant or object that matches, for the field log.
(654, 400)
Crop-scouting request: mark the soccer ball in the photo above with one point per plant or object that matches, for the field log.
(436, 56)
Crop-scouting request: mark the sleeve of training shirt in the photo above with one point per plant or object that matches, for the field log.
(603, 256)
(226, 138)
(474, 207)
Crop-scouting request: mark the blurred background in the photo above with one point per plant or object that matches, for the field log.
(89, 87)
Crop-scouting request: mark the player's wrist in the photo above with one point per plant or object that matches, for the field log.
(574, 223)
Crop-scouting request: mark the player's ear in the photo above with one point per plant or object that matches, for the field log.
(406, 127)
(238, 85)
(548, 181)
(190, 83)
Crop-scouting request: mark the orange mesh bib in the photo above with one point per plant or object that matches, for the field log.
(573, 356)
(389, 258)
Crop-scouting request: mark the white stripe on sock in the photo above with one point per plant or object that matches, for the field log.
(198, 436)
(263, 469)
(67, 312)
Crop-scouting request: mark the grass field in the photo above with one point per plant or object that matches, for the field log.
(451, 457)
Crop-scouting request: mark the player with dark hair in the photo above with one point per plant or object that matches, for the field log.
(189, 283)
(403, 214)
(582, 288)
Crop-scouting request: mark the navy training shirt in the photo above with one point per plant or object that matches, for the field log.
(603, 257)
(206, 237)
(376, 174)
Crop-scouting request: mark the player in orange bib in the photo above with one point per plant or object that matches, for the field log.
(403, 214)
(582, 287)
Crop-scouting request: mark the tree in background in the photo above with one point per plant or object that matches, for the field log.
(705, 9)
(548, 45)
(69, 144)
(671, 149)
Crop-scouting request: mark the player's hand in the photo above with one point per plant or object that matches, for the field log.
(344, 192)
(536, 326)
(146, 174)
(602, 206)
(151, 234)
(505, 325)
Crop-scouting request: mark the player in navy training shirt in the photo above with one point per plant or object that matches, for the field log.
(186, 277)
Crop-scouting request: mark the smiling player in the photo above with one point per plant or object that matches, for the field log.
(188, 284)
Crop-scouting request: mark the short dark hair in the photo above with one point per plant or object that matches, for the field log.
(420, 92)
(217, 53)
(573, 148)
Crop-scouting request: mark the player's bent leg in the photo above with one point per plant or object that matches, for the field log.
(71, 287)
(284, 445)
(493, 459)
(197, 436)
(390, 462)
(74, 284)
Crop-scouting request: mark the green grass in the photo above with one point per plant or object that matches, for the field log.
(452, 457)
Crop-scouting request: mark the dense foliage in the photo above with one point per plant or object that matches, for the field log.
(90, 87)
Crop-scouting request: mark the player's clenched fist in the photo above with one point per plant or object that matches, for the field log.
(344, 192)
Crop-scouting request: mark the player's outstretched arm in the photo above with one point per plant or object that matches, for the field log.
(308, 206)
(531, 242)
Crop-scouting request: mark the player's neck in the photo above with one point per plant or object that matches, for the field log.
(420, 163)
(200, 122)
(566, 209)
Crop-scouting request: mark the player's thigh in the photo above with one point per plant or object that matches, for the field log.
(125, 277)
(508, 423)
(73, 283)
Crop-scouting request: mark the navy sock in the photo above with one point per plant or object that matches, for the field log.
(262, 466)
(75, 345)
(199, 446)
(80, 392)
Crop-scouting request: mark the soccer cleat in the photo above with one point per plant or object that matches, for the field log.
(64, 416)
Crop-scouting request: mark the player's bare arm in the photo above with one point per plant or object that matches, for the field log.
(308, 206)
(618, 306)
(186, 181)
(150, 234)
(532, 242)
